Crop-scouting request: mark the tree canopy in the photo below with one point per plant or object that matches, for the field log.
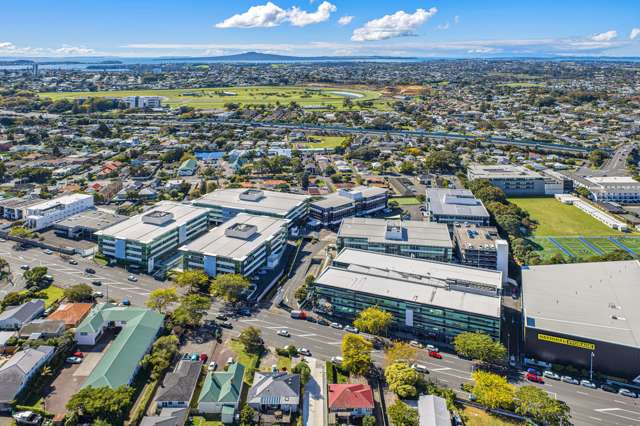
(160, 298)
(251, 339)
(79, 293)
(191, 310)
(534, 402)
(373, 320)
(401, 414)
(479, 346)
(402, 379)
(229, 286)
(163, 351)
(103, 403)
(356, 353)
(492, 390)
(400, 351)
(195, 280)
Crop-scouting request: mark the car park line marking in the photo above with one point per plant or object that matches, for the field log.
(275, 328)
(611, 413)
(595, 418)
(619, 402)
(306, 335)
(582, 393)
(441, 369)
(443, 380)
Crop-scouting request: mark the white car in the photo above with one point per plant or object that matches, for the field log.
(98, 294)
(550, 375)
(230, 360)
(420, 368)
(304, 351)
(587, 384)
(569, 379)
(47, 251)
(433, 348)
(336, 360)
(212, 366)
(74, 360)
(336, 325)
(283, 333)
(627, 392)
(132, 278)
(415, 344)
(351, 329)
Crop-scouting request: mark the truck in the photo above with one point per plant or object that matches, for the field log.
(298, 314)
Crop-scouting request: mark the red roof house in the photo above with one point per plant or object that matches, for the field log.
(353, 399)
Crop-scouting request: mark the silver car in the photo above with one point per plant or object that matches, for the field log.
(627, 392)
(551, 375)
(587, 384)
(569, 379)
(351, 329)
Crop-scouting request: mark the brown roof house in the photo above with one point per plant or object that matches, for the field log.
(71, 313)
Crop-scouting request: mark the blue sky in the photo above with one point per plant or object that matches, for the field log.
(460, 28)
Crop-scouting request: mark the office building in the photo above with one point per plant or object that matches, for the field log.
(444, 205)
(84, 225)
(584, 314)
(15, 208)
(148, 238)
(242, 245)
(45, 213)
(618, 189)
(223, 204)
(481, 247)
(428, 299)
(142, 102)
(358, 201)
(515, 181)
(422, 240)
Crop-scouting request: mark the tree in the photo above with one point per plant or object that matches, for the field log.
(102, 403)
(492, 390)
(480, 346)
(191, 310)
(160, 298)
(402, 379)
(79, 293)
(369, 421)
(534, 402)
(36, 276)
(303, 369)
(356, 353)
(229, 286)
(401, 414)
(400, 352)
(251, 340)
(246, 415)
(5, 267)
(597, 157)
(163, 351)
(14, 298)
(195, 280)
(407, 167)
(373, 320)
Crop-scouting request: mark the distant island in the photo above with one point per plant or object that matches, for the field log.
(269, 57)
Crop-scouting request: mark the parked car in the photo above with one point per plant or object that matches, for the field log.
(533, 371)
(96, 283)
(226, 324)
(221, 317)
(570, 380)
(304, 351)
(73, 262)
(551, 375)
(212, 366)
(336, 360)
(434, 354)
(311, 319)
(186, 357)
(126, 302)
(420, 368)
(25, 267)
(97, 294)
(74, 360)
(587, 384)
(27, 418)
(89, 270)
(323, 322)
(204, 358)
(78, 354)
(47, 251)
(195, 356)
(534, 378)
(433, 348)
(351, 329)
(284, 333)
(336, 325)
(609, 388)
(416, 344)
(298, 314)
(627, 392)
(230, 360)
(132, 278)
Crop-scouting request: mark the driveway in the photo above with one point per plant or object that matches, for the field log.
(314, 394)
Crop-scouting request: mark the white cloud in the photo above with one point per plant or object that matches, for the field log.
(635, 32)
(606, 36)
(67, 50)
(345, 20)
(5, 45)
(484, 50)
(444, 26)
(456, 19)
(271, 15)
(400, 24)
(301, 18)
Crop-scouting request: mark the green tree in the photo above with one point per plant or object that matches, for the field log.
(160, 298)
(79, 293)
(246, 415)
(407, 168)
(492, 390)
(194, 280)
(479, 346)
(368, 421)
(373, 320)
(164, 349)
(400, 352)
(229, 286)
(402, 379)
(401, 414)
(536, 403)
(104, 403)
(191, 310)
(251, 339)
(356, 353)
(303, 369)
(36, 276)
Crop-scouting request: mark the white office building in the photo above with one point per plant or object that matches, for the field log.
(141, 102)
(44, 214)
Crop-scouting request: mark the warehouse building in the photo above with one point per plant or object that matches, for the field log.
(582, 313)
(422, 240)
(358, 201)
(515, 181)
(431, 300)
(223, 204)
(146, 239)
(241, 245)
(444, 205)
(481, 247)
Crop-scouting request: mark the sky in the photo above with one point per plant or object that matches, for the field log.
(455, 28)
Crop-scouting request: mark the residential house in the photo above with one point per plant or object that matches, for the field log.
(177, 387)
(350, 400)
(433, 411)
(275, 391)
(18, 370)
(42, 329)
(71, 314)
(188, 167)
(167, 417)
(15, 317)
(221, 392)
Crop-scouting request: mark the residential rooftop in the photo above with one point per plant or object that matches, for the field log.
(409, 232)
(272, 202)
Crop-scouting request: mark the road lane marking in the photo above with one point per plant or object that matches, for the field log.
(305, 335)
(582, 393)
(619, 402)
(595, 418)
(441, 369)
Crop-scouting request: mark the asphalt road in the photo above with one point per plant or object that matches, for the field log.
(588, 406)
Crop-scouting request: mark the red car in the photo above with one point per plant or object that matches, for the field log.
(434, 354)
(78, 354)
(203, 357)
(534, 378)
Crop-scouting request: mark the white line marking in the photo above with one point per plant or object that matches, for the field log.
(595, 418)
(582, 393)
(619, 402)
(441, 369)
(306, 335)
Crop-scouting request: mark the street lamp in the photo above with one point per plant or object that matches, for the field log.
(591, 366)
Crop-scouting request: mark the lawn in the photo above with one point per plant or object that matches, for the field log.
(557, 219)
(406, 201)
(249, 361)
(582, 247)
(201, 421)
(325, 142)
(478, 417)
(254, 95)
(50, 295)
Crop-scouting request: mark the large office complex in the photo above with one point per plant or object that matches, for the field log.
(422, 240)
(482, 247)
(241, 245)
(513, 180)
(147, 238)
(45, 213)
(584, 314)
(429, 299)
(15, 208)
(358, 201)
(224, 204)
(451, 206)
(619, 189)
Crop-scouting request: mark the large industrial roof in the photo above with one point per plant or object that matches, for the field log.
(413, 232)
(279, 203)
(455, 202)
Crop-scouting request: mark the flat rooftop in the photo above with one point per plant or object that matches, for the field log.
(413, 232)
(216, 242)
(506, 171)
(420, 270)
(473, 237)
(135, 229)
(279, 203)
(393, 288)
(19, 202)
(455, 202)
(596, 300)
(92, 219)
(63, 200)
(341, 198)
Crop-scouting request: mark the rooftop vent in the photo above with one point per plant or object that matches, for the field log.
(252, 195)
(241, 230)
(394, 231)
(157, 217)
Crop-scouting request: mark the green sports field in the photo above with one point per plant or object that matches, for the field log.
(325, 141)
(213, 98)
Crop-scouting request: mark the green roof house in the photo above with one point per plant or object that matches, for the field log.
(118, 365)
(221, 391)
(188, 167)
